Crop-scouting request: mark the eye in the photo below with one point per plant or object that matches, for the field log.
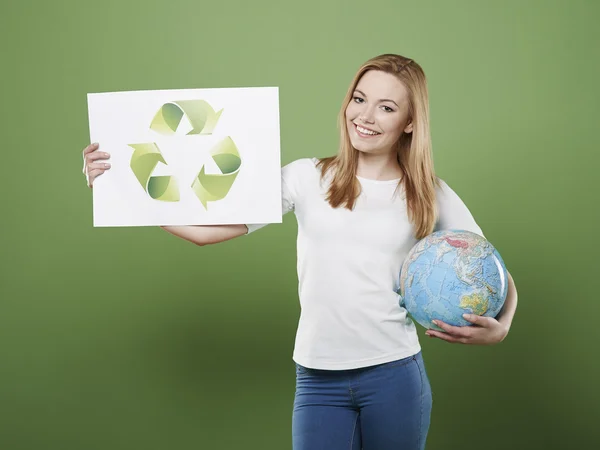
(357, 99)
(387, 109)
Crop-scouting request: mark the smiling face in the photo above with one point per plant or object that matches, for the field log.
(377, 113)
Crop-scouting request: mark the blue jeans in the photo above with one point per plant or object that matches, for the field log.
(382, 407)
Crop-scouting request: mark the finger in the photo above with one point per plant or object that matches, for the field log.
(94, 156)
(90, 148)
(458, 331)
(92, 175)
(98, 165)
(478, 320)
(443, 336)
(90, 153)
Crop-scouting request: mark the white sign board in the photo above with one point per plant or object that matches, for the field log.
(187, 157)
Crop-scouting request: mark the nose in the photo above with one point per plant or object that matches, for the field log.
(366, 114)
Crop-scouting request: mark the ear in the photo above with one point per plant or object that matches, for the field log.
(408, 128)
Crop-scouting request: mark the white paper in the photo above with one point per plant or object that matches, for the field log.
(248, 122)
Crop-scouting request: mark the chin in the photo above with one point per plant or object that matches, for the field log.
(370, 151)
(361, 147)
(358, 146)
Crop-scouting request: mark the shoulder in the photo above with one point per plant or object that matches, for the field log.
(299, 175)
(300, 167)
(444, 192)
(441, 186)
(302, 164)
(452, 211)
(445, 196)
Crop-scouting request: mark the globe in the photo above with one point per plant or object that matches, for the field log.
(450, 273)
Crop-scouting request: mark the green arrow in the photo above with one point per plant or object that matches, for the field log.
(201, 115)
(143, 161)
(210, 188)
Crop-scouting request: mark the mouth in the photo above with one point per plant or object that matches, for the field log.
(364, 132)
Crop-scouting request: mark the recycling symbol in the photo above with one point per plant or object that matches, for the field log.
(207, 187)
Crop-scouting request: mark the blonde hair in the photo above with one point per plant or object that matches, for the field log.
(413, 149)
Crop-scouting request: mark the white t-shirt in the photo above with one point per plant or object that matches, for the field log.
(349, 268)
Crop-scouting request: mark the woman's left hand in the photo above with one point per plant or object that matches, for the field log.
(485, 331)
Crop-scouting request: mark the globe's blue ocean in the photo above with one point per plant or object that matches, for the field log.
(449, 273)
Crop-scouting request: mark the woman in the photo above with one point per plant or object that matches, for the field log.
(360, 377)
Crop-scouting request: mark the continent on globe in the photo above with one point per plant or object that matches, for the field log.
(476, 302)
(457, 243)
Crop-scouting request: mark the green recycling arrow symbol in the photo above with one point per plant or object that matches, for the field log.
(200, 114)
(207, 187)
(143, 162)
(210, 188)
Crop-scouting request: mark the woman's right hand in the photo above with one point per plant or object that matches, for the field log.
(94, 163)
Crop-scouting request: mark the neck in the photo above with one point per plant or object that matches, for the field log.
(378, 166)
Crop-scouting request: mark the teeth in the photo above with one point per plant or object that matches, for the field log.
(365, 131)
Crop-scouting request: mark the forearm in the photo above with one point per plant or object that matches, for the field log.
(207, 234)
(507, 312)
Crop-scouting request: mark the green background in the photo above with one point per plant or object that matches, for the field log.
(134, 339)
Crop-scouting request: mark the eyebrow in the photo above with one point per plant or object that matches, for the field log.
(381, 100)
